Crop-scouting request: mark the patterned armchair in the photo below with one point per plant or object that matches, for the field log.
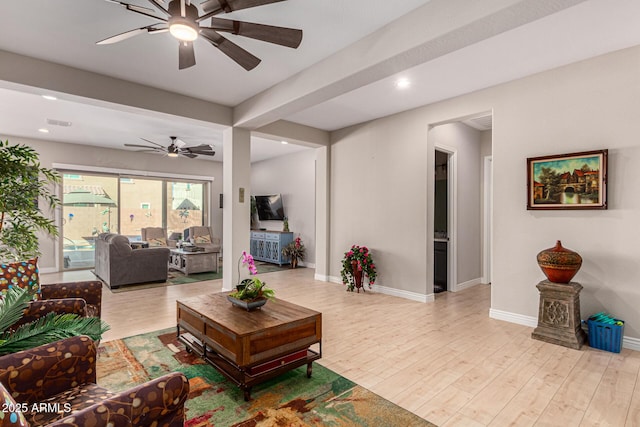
(55, 385)
(203, 236)
(90, 291)
(157, 236)
(83, 298)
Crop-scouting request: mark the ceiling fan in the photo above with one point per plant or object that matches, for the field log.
(183, 22)
(175, 149)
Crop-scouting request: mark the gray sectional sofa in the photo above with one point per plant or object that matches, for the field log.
(118, 264)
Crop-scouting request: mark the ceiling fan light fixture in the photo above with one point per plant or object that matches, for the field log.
(183, 31)
(172, 150)
(182, 23)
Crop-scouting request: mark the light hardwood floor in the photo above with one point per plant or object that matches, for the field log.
(446, 361)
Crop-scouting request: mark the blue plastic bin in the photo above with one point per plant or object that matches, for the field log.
(605, 336)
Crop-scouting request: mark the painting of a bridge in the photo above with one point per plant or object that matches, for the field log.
(568, 181)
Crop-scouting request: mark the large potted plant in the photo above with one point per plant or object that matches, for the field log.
(356, 264)
(23, 182)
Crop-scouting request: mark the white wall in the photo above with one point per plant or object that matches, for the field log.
(466, 142)
(293, 176)
(55, 152)
(381, 171)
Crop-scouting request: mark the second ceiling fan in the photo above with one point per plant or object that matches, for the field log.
(183, 21)
(175, 149)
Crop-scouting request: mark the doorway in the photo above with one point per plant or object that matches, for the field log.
(441, 226)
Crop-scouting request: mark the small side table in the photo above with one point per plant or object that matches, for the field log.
(559, 314)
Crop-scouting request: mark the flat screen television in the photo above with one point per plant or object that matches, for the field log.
(270, 207)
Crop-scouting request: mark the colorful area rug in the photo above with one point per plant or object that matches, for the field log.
(292, 399)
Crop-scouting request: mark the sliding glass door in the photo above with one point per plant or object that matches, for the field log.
(100, 203)
(185, 206)
(89, 207)
(141, 205)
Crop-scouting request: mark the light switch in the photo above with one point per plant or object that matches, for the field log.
(241, 194)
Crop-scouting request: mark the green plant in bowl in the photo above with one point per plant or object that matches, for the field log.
(253, 289)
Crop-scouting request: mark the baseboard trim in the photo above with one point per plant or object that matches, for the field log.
(520, 319)
(413, 296)
(321, 277)
(465, 285)
(631, 343)
(627, 342)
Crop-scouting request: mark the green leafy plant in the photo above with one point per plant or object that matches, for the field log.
(49, 328)
(357, 262)
(22, 183)
(251, 289)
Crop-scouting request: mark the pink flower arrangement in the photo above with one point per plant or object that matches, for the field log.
(247, 260)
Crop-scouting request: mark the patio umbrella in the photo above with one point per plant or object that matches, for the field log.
(86, 198)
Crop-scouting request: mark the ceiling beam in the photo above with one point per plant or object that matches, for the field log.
(34, 75)
(429, 32)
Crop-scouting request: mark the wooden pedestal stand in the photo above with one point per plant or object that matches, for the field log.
(559, 314)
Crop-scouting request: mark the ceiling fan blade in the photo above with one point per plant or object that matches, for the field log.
(186, 55)
(245, 59)
(158, 30)
(154, 143)
(138, 9)
(159, 5)
(141, 146)
(219, 6)
(178, 142)
(189, 155)
(282, 36)
(202, 148)
(123, 36)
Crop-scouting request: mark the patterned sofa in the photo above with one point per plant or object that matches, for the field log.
(60, 379)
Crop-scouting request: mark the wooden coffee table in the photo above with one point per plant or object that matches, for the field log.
(249, 347)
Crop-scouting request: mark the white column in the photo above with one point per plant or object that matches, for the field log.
(236, 201)
(322, 213)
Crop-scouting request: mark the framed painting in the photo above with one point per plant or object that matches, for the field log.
(568, 181)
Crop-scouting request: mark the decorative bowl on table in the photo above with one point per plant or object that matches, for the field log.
(248, 305)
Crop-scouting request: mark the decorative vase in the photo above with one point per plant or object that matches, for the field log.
(559, 264)
(357, 275)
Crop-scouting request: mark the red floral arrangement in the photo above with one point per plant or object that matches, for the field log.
(356, 264)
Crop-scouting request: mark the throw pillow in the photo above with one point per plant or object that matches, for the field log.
(157, 242)
(202, 239)
(23, 274)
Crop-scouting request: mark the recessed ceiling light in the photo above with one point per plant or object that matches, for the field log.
(403, 83)
(43, 130)
(49, 97)
(283, 142)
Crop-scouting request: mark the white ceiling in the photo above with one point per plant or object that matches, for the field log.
(65, 32)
